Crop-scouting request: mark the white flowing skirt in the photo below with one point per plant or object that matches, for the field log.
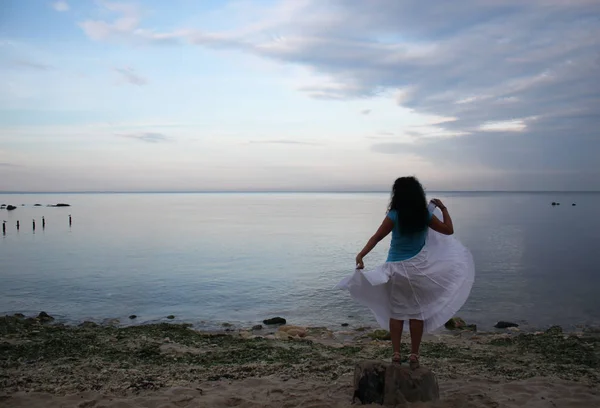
(431, 286)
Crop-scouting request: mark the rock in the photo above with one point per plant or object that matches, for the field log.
(392, 384)
(133, 317)
(555, 331)
(293, 331)
(275, 320)
(226, 324)
(380, 334)
(88, 325)
(362, 329)
(257, 327)
(62, 205)
(513, 329)
(505, 325)
(10, 208)
(44, 317)
(345, 325)
(170, 317)
(553, 203)
(573, 204)
(37, 205)
(19, 315)
(455, 323)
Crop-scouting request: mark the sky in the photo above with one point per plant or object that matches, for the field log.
(330, 95)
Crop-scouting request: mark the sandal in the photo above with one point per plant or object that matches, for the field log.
(396, 358)
(413, 361)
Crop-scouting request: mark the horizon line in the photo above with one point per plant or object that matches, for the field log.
(283, 191)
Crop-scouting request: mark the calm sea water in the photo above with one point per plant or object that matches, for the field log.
(240, 258)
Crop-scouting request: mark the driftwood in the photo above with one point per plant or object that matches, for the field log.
(391, 384)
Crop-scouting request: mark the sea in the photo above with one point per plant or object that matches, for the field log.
(238, 258)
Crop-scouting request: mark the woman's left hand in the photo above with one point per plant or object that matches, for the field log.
(359, 262)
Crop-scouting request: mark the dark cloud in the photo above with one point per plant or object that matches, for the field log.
(148, 137)
(130, 76)
(532, 67)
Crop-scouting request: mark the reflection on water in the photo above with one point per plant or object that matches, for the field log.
(244, 257)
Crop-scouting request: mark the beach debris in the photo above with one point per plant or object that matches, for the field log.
(455, 323)
(171, 317)
(392, 384)
(257, 327)
(555, 331)
(133, 317)
(380, 334)
(44, 317)
(505, 325)
(274, 320)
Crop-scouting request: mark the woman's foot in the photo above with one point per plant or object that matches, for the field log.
(396, 358)
(413, 361)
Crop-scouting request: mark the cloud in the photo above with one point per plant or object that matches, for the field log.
(61, 6)
(365, 111)
(285, 142)
(129, 75)
(519, 79)
(22, 63)
(125, 26)
(148, 137)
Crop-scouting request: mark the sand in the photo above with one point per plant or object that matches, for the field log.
(165, 365)
(273, 392)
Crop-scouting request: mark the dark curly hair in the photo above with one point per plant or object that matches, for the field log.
(408, 199)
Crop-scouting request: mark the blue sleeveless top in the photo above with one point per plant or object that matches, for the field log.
(402, 246)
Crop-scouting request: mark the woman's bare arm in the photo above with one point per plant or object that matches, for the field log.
(443, 227)
(384, 229)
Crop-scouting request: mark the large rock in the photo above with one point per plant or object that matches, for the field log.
(10, 208)
(44, 317)
(392, 384)
(275, 320)
(505, 325)
(455, 323)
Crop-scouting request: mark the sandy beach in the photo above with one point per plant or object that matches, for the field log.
(172, 365)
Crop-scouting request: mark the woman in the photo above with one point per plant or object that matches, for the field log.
(427, 277)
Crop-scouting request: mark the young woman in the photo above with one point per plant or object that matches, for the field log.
(427, 277)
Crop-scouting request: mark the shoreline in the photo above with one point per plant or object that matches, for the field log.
(204, 325)
(99, 362)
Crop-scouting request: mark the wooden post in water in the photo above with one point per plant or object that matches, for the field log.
(34, 225)
(18, 225)
(3, 227)
(43, 223)
(69, 220)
